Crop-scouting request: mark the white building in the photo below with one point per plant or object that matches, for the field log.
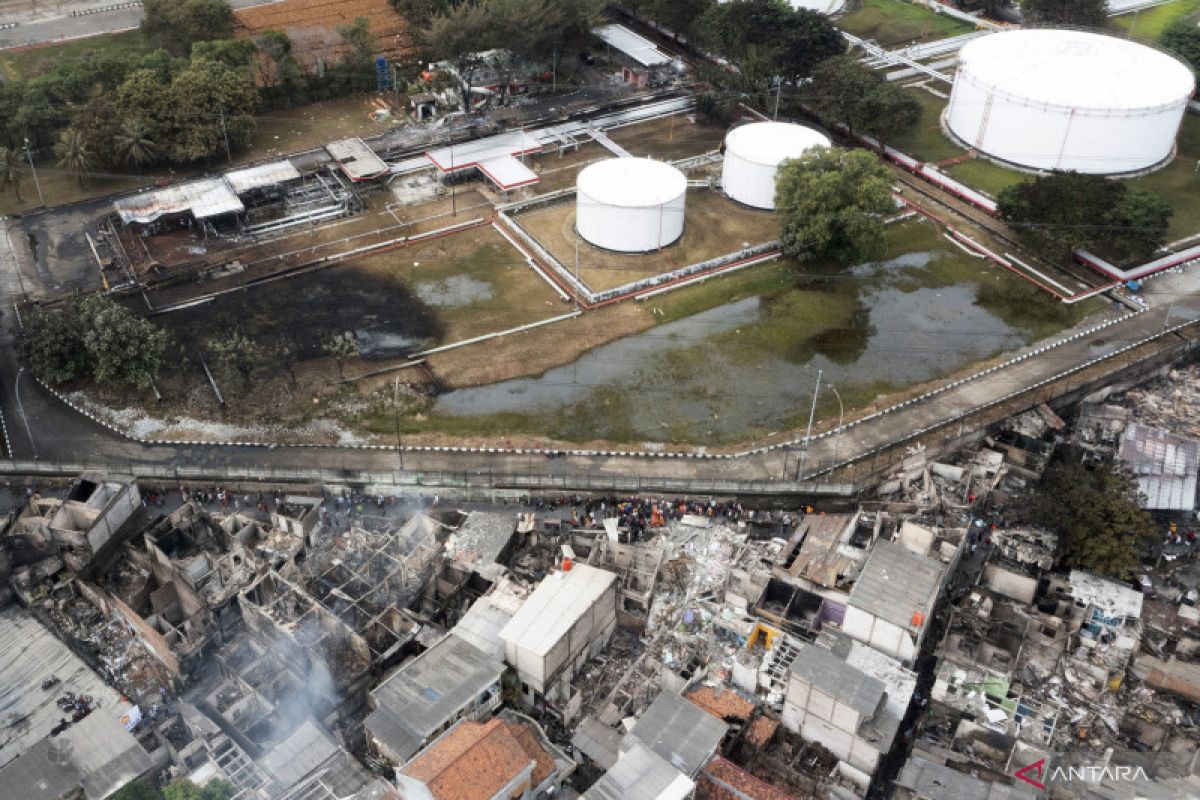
(851, 700)
(565, 622)
(892, 600)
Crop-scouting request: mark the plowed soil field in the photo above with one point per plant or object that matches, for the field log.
(312, 25)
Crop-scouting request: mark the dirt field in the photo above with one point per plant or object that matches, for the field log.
(377, 225)
(713, 226)
(312, 26)
(560, 172)
(669, 139)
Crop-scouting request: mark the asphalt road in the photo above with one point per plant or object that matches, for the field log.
(53, 22)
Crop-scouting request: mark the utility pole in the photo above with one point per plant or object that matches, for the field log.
(396, 409)
(453, 187)
(25, 419)
(33, 169)
(812, 412)
(778, 92)
(225, 134)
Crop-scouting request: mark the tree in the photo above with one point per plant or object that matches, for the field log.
(342, 347)
(73, 153)
(681, 17)
(236, 355)
(458, 36)
(210, 100)
(141, 789)
(1078, 13)
(134, 143)
(175, 25)
(1057, 213)
(1182, 37)
(230, 52)
(524, 30)
(1096, 514)
(184, 789)
(125, 350)
(790, 42)
(52, 345)
(362, 45)
(843, 89)
(830, 203)
(12, 166)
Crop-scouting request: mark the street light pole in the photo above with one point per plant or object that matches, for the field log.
(837, 435)
(778, 92)
(25, 419)
(812, 412)
(33, 169)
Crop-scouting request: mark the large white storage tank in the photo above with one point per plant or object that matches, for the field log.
(630, 205)
(1068, 100)
(753, 154)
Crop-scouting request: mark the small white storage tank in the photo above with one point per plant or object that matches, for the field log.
(753, 154)
(1068, 100)
(630, 205)
(820, 6)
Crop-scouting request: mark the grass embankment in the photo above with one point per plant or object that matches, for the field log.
(1149, 24)
(28, 62)
(895, 22)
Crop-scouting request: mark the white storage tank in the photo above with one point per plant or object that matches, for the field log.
(630, 205)
(753, 154)
(1068, 100)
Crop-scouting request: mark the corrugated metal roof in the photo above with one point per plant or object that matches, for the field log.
(935, 781)
(419, 697)
(202, 199)
(243, 180)
(679, 731)
(1165, 465)
(833, 676)
(31, 655)
(895, 582)
(641, 774)
(639, 48)
(555, 605)
(356, 159)
(1115, 599)
(488, 615)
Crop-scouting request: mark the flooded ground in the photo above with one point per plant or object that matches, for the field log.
(749, 366)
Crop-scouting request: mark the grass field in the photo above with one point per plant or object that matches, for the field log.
(986, 176)
(926, 141)
(668, 139)
(1148, 25)
(1179, 182)
(895, 22)
(28, 62)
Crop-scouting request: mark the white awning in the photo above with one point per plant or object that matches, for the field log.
(639, 48)
(243, 180)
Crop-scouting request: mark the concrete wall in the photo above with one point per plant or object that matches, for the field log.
(1010, 584)
(880, 634)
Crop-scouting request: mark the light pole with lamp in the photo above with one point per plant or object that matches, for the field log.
(21, 408)
(808, 433)
(396, 410)
(837, 434)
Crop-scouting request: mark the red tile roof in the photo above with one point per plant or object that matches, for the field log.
(724, 780)
(473, 761)
(761, 731)
(722, 702)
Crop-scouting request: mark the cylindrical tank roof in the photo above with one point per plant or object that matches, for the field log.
(770, 143)
(631, 182)
(1075, 69)
(820, 6)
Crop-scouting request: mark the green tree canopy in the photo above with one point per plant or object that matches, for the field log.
(1078, 13)
(12, 167)
(184, 789)
(236, 356)
(1182, 37)
(790, 42)
(1095, 512)
(52, 345)
(208, 101)
(125, 350)
(831, 203)
(843, 89)
(1057, 213)
(175, 25)
(74, 154)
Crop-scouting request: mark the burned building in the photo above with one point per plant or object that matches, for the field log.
(566, 621)
(449, 682)
(893, 598)
(77, 528)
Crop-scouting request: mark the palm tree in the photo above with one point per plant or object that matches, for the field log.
(135, 144)
(11, 168)
(73, 153)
